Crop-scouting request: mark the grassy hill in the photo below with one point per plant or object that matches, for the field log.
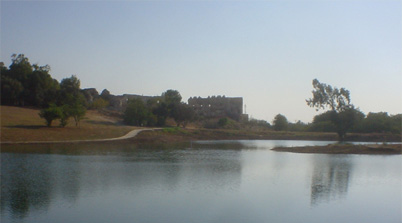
(24, 124)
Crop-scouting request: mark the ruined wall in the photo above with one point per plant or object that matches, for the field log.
(211, 107)
(119, 102)
(217, 107)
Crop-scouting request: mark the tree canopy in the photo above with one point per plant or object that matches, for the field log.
(137, 113)
(171, 97)
(326, 96)
(280, 123)
(342, 113)
(26, 84)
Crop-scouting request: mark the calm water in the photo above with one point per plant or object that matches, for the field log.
(213, 181)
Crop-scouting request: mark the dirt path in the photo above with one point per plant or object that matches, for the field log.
(131, 134)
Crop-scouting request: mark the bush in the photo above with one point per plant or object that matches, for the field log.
(223, 122)
(50, 114)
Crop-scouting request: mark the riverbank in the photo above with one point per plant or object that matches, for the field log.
(23, 125)
(375, 149)
(167, 135)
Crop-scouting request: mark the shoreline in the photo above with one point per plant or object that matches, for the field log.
(165, 136)
(368, 149)
(173, 135)
(24, 126)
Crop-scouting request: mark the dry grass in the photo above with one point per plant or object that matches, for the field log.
(24, 124)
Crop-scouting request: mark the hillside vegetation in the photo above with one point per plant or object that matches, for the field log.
(24, 124)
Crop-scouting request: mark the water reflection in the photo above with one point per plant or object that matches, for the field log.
(25, 184)
(224, 181)
(330, 179)
(30, 183)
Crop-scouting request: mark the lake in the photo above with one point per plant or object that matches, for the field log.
(204, 181)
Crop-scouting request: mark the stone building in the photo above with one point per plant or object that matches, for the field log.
(218, 107)
(119, 102)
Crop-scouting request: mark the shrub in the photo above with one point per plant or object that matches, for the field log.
(51, 113)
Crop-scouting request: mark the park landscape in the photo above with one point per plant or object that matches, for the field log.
(42, 110)
(205, 111)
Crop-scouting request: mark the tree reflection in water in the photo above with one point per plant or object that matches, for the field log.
(25, 184)
(34, 181)
(330, 179)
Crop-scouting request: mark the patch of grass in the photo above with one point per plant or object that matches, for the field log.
(174, 130)
(24, 124)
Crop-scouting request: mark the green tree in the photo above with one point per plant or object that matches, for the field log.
(72, 100)
(171, 97)
(51, 113)
(280, 123)
(11, 90)
(298, 126)
(77, 111)
(396, 123)
(137, 113)
(159, 109)
(20, 67)
(323, 123)
(19, 71)
(41, 89)
(65, 115)
(343, 114)
(70, 91)
(378, 122)
(26, 84)
(182, 114)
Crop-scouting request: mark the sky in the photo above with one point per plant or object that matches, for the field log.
(267, 52)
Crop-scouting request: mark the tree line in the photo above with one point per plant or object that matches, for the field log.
(26, 84)
(341, 117)
(155, 111)
(373, 122)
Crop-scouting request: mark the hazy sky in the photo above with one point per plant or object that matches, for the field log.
(267, 52)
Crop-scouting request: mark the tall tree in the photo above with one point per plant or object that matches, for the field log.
(19, 71)
(280, 123)
(72, 100)
(183, 114)
(171, 97)
(343, 113)
(20, 67)
(70, 90)
(41, 89)
(11, 90)
(136, 113)
(159, 109)
(26, 84)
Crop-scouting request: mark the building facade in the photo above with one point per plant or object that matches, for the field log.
(217, 107)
